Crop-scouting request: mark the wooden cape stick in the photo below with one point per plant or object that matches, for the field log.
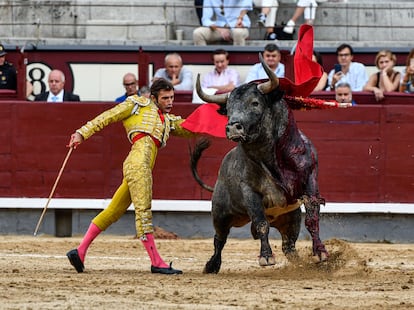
(53, 190)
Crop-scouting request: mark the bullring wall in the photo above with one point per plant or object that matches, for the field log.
(366, 171)
(366, 152)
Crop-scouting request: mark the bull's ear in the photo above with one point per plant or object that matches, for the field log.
(222, 110)
(278, 95)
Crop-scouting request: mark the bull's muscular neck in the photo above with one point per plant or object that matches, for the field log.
(260, 152)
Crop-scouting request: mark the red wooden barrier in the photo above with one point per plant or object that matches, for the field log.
(366, 153)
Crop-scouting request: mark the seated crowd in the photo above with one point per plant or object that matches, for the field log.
(222, 78)
(346, 77)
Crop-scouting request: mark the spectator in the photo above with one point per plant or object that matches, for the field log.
(145, 91)
(175, 72)
(323, 82)
(131, 87)
(343, 93)
(148, 128)
(271, 56)
(222, 78)
(223, 20)
(353, 73)
(305, 7)
(267, 16)
(198, 4)
(56, 93)
(386, 79)
(407, 76)
(8, 74)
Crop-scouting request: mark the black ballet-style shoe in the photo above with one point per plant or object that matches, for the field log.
(165, 270)
(75, 260)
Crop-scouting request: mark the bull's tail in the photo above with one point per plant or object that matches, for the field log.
(195, 155)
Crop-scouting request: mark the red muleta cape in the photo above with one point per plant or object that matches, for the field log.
(205, 119)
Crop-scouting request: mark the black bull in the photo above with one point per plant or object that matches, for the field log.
(267, 176)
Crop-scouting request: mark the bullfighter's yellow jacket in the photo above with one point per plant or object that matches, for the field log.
(139, 115)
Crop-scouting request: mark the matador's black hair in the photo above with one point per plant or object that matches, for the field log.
(160, 84)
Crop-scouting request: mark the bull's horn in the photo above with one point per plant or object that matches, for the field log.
(273, 82)
(219, 99)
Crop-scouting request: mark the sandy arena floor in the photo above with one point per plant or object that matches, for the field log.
(35, 274)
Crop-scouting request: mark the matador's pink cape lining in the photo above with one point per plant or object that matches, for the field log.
(205, 119)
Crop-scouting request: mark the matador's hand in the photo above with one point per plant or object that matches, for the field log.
(75, 139)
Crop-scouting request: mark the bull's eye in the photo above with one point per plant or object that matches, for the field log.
(255, 103)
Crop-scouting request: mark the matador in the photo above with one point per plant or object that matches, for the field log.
(148, 124)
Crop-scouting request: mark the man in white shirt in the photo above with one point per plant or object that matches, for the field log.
(347, 71)
(271, 56)
(224, 20)
(222, 78)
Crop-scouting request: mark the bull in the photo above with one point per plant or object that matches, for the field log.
(265, 178)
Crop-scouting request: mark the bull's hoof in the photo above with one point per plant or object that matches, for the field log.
(211, 268)
(323, 257)
(267, 261)
(292, 256)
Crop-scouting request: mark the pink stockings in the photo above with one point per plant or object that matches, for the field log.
(91, 234)
(152, 251)
(149, 244)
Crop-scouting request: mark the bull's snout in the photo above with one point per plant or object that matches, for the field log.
(235, 131)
